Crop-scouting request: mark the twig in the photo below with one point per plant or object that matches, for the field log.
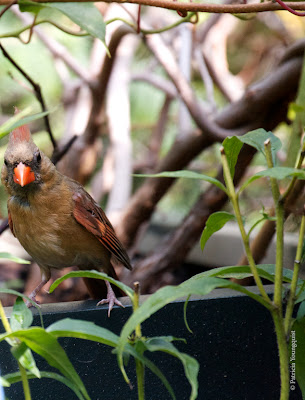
(8, 7)
(252, 111)
(58, 154)
(37, 90)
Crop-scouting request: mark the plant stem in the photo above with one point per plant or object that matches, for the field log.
(24, 378)
(4, 320)
(234, 199)
(279, 214)
(277, 314)
(283, 353)
(25, 382)
(136, 306)
(140, 369)
(298, 165)
(294, 281)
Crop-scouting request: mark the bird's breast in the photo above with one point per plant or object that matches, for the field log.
(50, 234)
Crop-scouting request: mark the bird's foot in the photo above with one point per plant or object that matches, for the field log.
(111, 299)
(32, 296)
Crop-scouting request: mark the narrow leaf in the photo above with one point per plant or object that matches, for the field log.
(46, 345)
(10, 257)
(16, 377)
(190, 364)
(301, 311)
(266, 271)
(257, 139)
(149, 364)
(185, 174)
(95, 275)
(278, 173)
(83, 330)
(232, 146)
(199, 284)
(24, 355)
(15, 122)
(214, 223)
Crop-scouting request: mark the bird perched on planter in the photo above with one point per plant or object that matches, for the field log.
(56, 220)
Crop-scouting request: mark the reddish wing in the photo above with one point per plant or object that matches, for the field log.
(92, 217)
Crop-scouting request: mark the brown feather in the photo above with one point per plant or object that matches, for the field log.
(92, 217)
(10, 223)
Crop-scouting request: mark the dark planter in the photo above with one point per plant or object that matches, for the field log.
(233, 341)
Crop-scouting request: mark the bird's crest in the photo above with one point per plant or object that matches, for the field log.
(20, 134)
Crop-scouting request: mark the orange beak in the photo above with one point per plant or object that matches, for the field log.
(23, 174)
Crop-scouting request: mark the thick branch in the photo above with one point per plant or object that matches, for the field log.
(263, 106)
(173, 251)
(194, 7)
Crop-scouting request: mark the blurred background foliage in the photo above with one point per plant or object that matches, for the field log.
(253, 49)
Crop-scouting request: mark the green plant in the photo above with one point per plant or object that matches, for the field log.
(286, 327)
(23, 338)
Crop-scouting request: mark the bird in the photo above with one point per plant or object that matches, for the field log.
(56, 220)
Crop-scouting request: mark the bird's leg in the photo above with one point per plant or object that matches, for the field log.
(111, 299)
(44, 279)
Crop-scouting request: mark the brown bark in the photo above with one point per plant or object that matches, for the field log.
(263, 105)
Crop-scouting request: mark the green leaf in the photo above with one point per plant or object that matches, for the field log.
(301, 295)
(149, 364)
(88, 330)
(24, 355)
(214, 223)
(20, 119)
(297, 353)
(10, 257)
(5, 383)
(83, 330)
(15, 293)
(46, 345)
(30, 6)
(85, 15)
(257, 139)
(15, 377)
(232, 146)
(185, 174)
(95, 275)
(278, 173)
(301, 311)
(198, 284)
(190, 364)
(21, 317)
(266, 271)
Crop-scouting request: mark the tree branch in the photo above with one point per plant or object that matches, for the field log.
(194, 7)
(37, 91)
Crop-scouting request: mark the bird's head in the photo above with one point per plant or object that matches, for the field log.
(24, 163)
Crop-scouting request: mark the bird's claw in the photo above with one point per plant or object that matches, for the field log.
(111, 300)
(33, 298)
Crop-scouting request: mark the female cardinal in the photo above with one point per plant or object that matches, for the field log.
(55, 219)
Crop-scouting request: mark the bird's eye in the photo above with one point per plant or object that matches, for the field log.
(5, 162)
(37, 156)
